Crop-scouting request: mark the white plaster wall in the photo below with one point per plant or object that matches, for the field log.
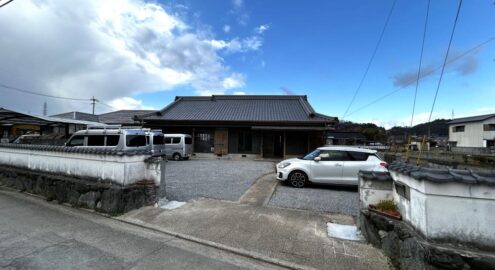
(451, 210)
(372, 192)
(465, 219)
(120, 169)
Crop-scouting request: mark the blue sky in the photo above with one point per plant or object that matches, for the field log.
(134, 54)
(321, 48)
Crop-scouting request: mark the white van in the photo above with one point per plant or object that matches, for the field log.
(156, 140)
(178, 146)
(111, 138)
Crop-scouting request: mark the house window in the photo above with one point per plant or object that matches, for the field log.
(458, 129)
(489, 127)
(245, 142)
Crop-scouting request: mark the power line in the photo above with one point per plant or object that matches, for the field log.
(39, 94)
(420, 61)
(443, 66)
(371, 59)
(93, 99)
(424, 75)
(110, 106)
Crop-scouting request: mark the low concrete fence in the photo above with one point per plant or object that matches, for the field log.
(447, 216)
(113, 182)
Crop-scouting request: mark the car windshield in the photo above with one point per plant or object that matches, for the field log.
(312, 155)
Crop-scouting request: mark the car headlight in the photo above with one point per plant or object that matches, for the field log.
(283, 165)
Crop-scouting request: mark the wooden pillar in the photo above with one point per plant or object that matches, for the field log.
(284, 138)
(261, 144)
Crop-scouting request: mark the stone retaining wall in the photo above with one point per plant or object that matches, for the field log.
(108, 181)
(95, 194)
(408, 250)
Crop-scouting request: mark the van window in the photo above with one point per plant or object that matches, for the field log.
(76, 141)
(113, 140)
(158, 139)
(188, 140)
(135, 140)
(168, 140)
(358, 156)
(96, 140)
(176, 140)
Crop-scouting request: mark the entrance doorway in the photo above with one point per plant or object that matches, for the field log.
(273, 145)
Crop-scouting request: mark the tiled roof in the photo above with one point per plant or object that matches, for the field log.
(78, 116)
(122, 116)
(471, 119)
(486, 177)
(246, 108)
(82, 150)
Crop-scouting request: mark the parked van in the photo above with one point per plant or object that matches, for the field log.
(156, 140)
(178, 146)
(111, 137)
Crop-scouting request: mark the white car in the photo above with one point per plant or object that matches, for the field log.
(334, 165)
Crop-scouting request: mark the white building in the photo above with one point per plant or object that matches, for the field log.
(474, 131)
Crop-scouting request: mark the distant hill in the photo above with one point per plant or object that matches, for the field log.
(379, 134)
(371, 131)
(439, 127)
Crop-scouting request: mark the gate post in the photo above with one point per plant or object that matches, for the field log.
(162, 192)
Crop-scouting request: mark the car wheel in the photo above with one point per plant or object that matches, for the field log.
(176, 156)
(298, 179)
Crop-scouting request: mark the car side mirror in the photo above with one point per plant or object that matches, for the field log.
(317, 159)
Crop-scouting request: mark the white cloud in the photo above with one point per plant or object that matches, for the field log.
(252, 43)
(238, 11)
(486, 110)
(237, 3)
(234, 81)
(239, 93)
(128, 103)
(226, 28)
(262, 28)
(110, 49)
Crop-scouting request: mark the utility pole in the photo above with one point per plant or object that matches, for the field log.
(45, 109)
(93, 101)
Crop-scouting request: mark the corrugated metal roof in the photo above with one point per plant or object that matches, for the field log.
(8, 116)
(122, 116)
(248, 108)
(477, 118)
(78, 116)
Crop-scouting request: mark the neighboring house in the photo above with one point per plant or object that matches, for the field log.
(475, 131)
(345, 138)
(78, 116)
(14, 124)
(123, 117)
(260, 126)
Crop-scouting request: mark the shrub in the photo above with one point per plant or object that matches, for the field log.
(387, 205)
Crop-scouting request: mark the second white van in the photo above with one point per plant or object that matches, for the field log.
(178, 146)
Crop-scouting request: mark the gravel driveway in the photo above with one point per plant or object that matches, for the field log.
(218, 179)
(343, 200)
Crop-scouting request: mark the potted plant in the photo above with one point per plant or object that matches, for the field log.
(386, 208)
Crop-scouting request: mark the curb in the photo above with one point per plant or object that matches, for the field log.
(238, 251)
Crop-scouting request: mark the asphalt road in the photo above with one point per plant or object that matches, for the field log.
(35, 234)
(216, 179)
(326, 198)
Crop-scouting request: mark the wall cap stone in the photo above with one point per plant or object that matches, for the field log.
(435, 175)
(80, 150)
(375, 176)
